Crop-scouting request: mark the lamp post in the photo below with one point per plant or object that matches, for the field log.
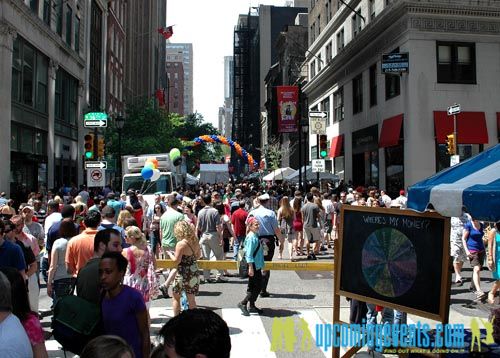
(119, 123)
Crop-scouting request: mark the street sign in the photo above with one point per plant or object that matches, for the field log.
(96, 178)
(95, 120)
(318, 114)
(453, 110)
(99, 165)
(318, 165)
(318, 121)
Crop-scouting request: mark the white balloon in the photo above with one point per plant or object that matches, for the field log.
(156, 175)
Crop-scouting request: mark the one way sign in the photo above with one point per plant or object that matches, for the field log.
(96, 165)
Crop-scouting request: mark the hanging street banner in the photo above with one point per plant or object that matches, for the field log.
(95, 120)
(288, 98)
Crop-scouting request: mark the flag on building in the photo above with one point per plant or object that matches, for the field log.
(160, 96)
(166, 32)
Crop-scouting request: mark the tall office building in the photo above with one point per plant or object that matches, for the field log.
(145, 48)
(115, 54)
(44, 56)
(226, 111)
(175, 86)
(185, 50)
(254, 53)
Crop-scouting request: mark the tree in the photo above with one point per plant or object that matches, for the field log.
(274, 152)
(190, 127)
(147, 129)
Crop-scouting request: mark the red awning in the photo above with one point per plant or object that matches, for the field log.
(391, 131)
(471, 127)
(336, 147)
(498, 124)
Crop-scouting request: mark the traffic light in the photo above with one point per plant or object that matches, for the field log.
(100, 147)
(323, 144)
(450, 144)
(89, 146)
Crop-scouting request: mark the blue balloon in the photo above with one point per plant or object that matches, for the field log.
(147, 173)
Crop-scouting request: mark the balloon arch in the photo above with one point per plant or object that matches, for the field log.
(226, 141)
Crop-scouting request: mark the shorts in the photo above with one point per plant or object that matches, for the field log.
(312, 234)
(457, 251)
(328, 226)
(477, 258)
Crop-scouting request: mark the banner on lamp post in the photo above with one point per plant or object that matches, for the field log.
(288, 97)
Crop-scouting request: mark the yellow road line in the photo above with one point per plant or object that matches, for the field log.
(269, 265)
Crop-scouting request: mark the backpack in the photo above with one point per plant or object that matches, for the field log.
(75, 322)
(242, 263)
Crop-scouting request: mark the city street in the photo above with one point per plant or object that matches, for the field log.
(307, 295)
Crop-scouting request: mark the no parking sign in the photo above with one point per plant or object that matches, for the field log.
(96, 177)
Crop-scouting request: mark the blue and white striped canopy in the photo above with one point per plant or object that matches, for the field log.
(474, 183)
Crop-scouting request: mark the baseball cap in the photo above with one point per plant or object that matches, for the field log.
(401, 192)
(264, 196)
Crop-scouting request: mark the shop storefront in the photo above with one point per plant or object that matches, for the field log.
(365, 161)
(392, 140)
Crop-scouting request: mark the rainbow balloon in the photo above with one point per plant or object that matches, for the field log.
(226, 141)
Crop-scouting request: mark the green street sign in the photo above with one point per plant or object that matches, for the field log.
(95, 120)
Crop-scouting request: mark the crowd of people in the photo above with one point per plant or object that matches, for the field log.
(103, 247)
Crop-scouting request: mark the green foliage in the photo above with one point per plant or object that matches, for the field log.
(149, 129)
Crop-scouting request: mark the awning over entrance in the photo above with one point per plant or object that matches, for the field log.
(391, 130)
(336, 147)
(471, 127)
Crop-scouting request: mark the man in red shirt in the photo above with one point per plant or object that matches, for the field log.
(238, 219)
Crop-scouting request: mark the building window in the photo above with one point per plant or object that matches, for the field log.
(328, 52)
(392, 85)
(327, 10)
(456, 62)
(47, 11)
(77, 34)
(42, 71)
(325, 106)
(313, 68)
(319, 24)
(338, 105)
(340, 40)
(371, 9)
(320, 62)
(373, 85)
(357, 94)
(66, 98)
(356, 24)
(311, 32)
(28, 74)
(17, 70)
(34, 5)
(69, 23)
(59, 15)
(465, 151)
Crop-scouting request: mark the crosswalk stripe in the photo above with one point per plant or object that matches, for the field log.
(248, 334)
(312, 318)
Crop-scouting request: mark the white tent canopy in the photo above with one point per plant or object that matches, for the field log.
(279, 174)
(307, 173)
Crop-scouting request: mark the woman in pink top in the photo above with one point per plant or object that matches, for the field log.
(21, 308)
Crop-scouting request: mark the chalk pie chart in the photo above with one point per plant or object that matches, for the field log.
(389, 262)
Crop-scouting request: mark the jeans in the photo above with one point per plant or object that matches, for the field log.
(238, 240)
(45, 268)
(62, 287)
(371, 319)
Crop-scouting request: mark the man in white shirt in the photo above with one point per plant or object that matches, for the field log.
(53, 215)
(385, 200)
(14, 341)
(400, 201)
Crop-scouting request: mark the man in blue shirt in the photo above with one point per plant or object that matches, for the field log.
(268, 232)
(11, 255)
(116, 205)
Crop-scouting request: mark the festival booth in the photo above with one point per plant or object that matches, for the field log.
(279, 174)
(474, 183)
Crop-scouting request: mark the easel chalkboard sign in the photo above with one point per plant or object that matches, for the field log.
(395, 258)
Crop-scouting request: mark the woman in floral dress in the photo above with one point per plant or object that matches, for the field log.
(187, 252)
(141, 267)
